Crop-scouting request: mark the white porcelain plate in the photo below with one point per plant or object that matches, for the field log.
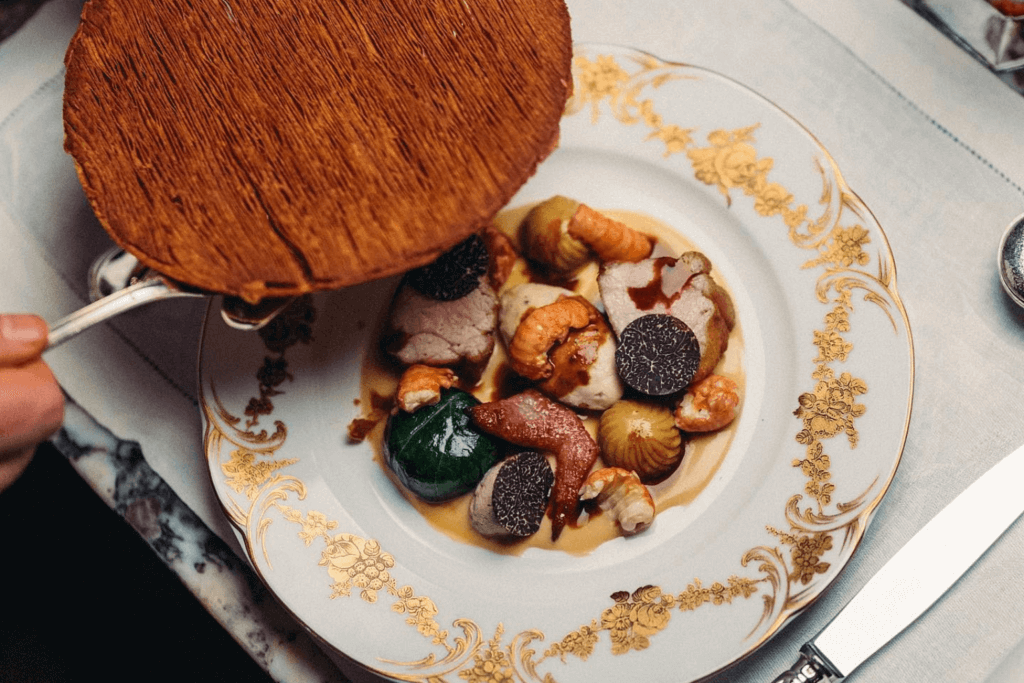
(828, 361)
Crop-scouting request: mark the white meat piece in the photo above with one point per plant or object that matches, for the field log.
(432, 332)
(680, 287)
(590, 353)
(517, 302)
(510, 500)
(481, 506)
(586, 354)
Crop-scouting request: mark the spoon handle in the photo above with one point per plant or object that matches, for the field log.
(142, 292)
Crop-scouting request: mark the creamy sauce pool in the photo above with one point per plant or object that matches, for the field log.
(704, 454)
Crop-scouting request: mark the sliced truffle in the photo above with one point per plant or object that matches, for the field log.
(680, 287)
(455, 273)
(511, 498)
(657, 355)
(531, 420)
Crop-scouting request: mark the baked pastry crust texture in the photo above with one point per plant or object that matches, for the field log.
(276, 148)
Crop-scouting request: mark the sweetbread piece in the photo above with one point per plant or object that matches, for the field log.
(681, 287)
(432, 332)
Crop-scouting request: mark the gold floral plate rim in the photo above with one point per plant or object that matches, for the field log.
(856, 329)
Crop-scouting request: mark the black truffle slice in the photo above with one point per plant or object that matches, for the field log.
(511, 498)
(657, 354)
(455, 273)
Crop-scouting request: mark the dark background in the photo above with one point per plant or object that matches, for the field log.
(83, 597)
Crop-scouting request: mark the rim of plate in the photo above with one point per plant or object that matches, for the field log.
(865, 512)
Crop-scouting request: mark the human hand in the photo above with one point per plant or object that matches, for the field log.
(31, 401)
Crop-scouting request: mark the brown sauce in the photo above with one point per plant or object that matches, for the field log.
(704, 453)
(653, 294)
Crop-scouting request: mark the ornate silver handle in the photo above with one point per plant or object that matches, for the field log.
(811, 667)
(118, 283)
(142, 292)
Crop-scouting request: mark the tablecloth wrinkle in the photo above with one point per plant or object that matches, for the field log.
(927, 137)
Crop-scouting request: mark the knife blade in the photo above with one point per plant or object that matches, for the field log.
(916, 576)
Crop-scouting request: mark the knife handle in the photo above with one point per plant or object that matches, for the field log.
(811, 667)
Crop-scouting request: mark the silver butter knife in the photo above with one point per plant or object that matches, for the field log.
(916, 576)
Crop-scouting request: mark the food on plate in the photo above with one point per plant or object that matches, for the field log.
(602, 368)
(620, 493)
(708, 405)
(446, 312)
(532, 420)
(434, 332)
(546, 239)
(580, 369)
(584, 368)
(250, 162)
(455, 273)
(517, 301)
(640, 436)
(681, 287)
(540, 330)
(564, 235)
(658, 354)
(435, 452)
(502, 253)
(609, 239)
(511, 499)
(421, 386)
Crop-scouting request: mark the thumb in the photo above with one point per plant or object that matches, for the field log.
(22, 338)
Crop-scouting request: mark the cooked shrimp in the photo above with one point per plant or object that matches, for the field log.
(541, 329)
(421, 386)
(710, 404)
(620, 493)
(610, 239)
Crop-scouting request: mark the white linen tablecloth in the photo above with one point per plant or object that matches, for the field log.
(929, 139)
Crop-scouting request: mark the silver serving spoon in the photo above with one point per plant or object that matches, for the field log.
(1011, 260)
(119, 283)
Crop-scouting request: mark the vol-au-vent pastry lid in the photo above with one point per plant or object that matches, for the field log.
(238, 157)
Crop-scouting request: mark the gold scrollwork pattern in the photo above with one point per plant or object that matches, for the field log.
(634, 617)
(727, 160)
(355, 562)
(250, 470)
(491, 664)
